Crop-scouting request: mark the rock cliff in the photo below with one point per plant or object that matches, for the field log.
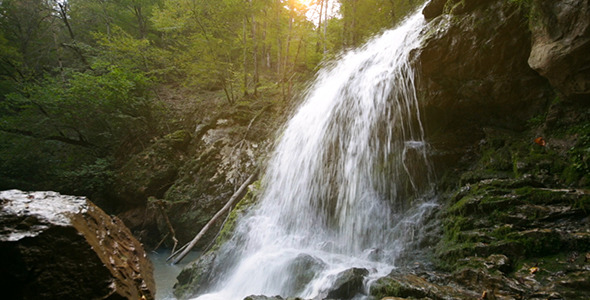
(504, 87)
(188, 175)
(64, 247)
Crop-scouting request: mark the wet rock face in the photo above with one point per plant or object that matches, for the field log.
(196, 278)
(64, 247)
(348, 284)
(561, 43)
(474, 73)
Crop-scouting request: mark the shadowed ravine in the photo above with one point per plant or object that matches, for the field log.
(348, 180)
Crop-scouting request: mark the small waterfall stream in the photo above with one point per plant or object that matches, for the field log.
(347, 184)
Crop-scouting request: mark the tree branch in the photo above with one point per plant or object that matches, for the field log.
(59, 138)
(237, 195)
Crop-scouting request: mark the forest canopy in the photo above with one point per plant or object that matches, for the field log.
(79, 79)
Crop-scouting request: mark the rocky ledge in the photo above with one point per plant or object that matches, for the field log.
(64, 247)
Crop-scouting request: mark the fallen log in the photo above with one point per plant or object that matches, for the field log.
(184, 250)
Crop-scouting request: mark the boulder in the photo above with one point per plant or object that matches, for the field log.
(302, 270)
(196, 277)
(433, 9)
(54, 246)
(406, 284)
(561, 43)
(348, 284)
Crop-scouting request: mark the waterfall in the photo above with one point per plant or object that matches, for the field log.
(347, 183)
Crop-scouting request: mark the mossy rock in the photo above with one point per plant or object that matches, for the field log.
(404, 284)
(195, 278)
(241, 208)
(390, 287)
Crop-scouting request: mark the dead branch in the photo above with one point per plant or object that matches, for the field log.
(161, 207)
(237, 195)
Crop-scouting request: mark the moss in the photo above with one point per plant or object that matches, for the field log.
(239, 210)
(150, 172)
(502, 231)
(583, 203)
(538, 242)
(537, 120)
(449, 254)
(389, 287)
(549, 264)
(579, 155)
(197, 177)
(178, 139)
(541, 196)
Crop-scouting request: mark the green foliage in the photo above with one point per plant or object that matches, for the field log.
(57, 131)
(537, 120)
(357, 27)
(77, 77)
(137, 55)
(87, 179)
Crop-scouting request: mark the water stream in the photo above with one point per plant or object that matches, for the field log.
(349, 180)
(165, 273)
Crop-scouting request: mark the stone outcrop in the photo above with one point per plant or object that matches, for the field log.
(64, 247)
(561, 43)
(190, 175)
(348, 284)
(474, 74)
(404, 283)
(504, 89)
(196, 277)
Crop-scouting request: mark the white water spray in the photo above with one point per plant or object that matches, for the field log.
(346, 184)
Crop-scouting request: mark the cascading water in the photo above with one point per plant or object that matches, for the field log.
(346, 182)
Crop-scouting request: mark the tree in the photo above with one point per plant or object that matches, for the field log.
(28, 26)
(357, 27)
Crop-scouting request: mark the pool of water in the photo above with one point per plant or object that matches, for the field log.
(165, 273)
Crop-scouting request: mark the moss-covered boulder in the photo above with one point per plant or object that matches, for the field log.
(196, 278)
(405, 284)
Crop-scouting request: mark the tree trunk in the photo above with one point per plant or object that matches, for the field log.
(141, 24)
(245, 54)
(320, 41)
(255, 77)
(326, 25)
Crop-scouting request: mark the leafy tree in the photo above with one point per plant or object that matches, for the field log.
(76, 76)
(28, 26)
(357, 27)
